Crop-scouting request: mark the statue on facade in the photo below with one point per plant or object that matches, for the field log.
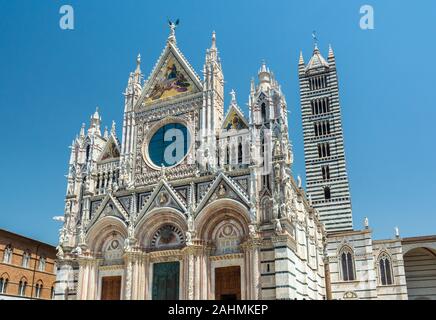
(278, 226)
(252, 231)
(188, 237)
(60, 252)
(277, 172)
(190, 221)
(82, 236)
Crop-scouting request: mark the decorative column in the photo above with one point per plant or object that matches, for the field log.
(144, 278)
(251, 249)
(134, 273)
(192, 255)
(88, 278)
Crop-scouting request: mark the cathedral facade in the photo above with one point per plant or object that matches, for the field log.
(196, 202)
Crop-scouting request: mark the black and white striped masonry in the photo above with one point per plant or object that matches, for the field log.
(326, 172)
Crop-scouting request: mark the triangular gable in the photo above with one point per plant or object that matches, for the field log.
(223, 187)
(111, 150)
(163, 196)
(235, 119)
(172, 77)
(108, 207)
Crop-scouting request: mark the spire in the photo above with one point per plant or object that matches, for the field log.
(263, 67)
(252, 86)
(138, 64)
(212, 53)
(96, 115)
(106, 133)
(331, 56)
(213, 40)
(264, 76)
(82, 130)
(301, 61)
(95, 122)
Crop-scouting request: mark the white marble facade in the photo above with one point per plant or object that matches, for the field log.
(228, 208)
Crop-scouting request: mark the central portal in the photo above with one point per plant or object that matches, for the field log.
(228, 283)
(166, 281)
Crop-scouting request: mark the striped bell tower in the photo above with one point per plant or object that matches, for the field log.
(326, 173)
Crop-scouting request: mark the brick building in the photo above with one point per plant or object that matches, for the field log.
(27, 267)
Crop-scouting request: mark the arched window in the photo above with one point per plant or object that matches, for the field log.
(7, 254)
(41, 265)
(38, 289)
(22, 285)
(227, 155)
(263, 110)
(240, 152)
(26, 259)
(88, 150)
(347, 264)
(3, 284)
(327, 193)
(325, 172)
(385, 269)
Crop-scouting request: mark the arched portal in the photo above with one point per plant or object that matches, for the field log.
(223, 225)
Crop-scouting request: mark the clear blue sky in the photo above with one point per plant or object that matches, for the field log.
(51, 80)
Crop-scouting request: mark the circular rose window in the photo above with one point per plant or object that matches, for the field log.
(169, 145)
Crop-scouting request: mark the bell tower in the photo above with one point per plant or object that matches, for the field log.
(326, 172)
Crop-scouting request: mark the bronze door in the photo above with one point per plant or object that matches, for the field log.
(228, 283)
(111, 288)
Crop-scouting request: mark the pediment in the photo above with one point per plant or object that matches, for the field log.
(111, 150)
(109, 206)
(172, 78)
(235, 119)
(223, 187)
(163, 196)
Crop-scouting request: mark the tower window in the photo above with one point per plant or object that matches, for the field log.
(317, 82)
(325, 172)
(227, 155)
(327, 193)
(322, 128)
(320, 106)
(323, 150)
